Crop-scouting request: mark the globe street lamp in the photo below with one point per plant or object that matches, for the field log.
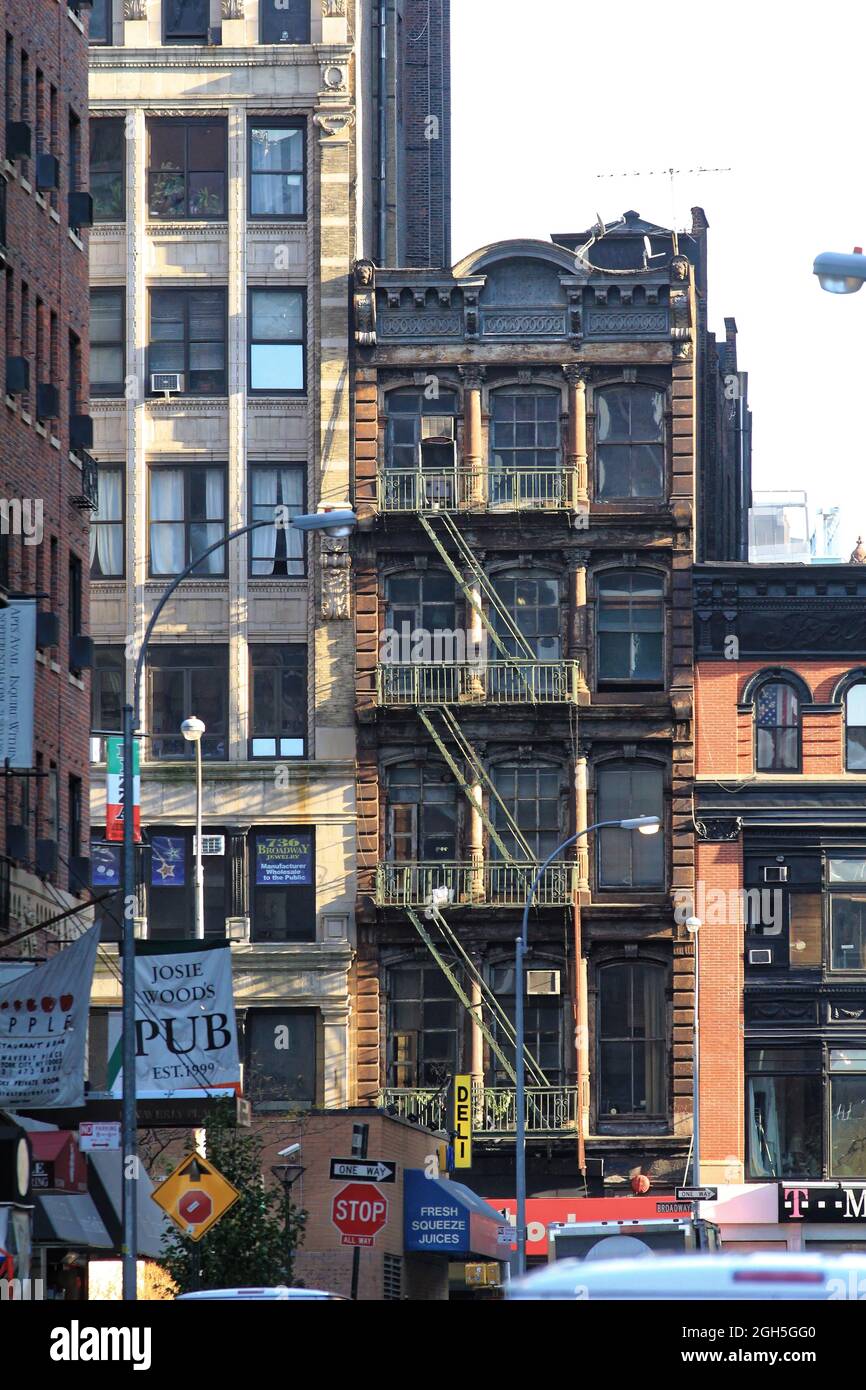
(644, 825)
(192, 730)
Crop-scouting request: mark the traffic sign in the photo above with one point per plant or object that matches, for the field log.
(697, 1194)
(372, 1170)
(195, 1196)
(359, 1212)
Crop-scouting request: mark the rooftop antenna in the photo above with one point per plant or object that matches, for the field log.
(672, 174)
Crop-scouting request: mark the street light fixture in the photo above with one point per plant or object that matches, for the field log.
(841, 273)
(693, 927)
(644, 825)
(192, 730)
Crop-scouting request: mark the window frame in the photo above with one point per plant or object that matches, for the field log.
(537, 833)
(98, 720)
(639, 764)
(274, 1018)
(186, 469)
(276, 123)
(798, 726)
(109, 27)
(857, 684)
(173, 40)
(422, 999)
(291, 391)
(112, 389)
(187, 291)
(608, 1120)
(518, 468)
(119, 122)
(630, 444)
(74, 604)
(302, 896)
(818, 1073)
(187, 124)
(277, 669)
(433, 774)
(187, 889)
(263, 11)
(630, 682)
(187, 667)
(300, 467)
(96, 524)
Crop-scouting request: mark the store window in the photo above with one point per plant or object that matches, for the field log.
(848, 1112)
(784, 1119)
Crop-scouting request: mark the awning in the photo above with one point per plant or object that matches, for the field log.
(69, 1219)
(445, 1218)
(105, 1183)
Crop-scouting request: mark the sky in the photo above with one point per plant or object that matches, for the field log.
(548, 96)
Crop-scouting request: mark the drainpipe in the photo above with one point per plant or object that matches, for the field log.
(381, 248)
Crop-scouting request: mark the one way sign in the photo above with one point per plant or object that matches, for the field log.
(361, 1170)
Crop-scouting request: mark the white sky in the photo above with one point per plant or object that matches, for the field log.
(548, 95)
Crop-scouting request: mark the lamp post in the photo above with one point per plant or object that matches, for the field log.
(646, 825)
(693, 927)
(339, 522)
(192, 730)
(839, 272)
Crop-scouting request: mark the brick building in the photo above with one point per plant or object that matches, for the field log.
(47, 476)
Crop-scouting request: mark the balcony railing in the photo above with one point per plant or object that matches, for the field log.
(479, 683)
(550, 1110)
(465, 489)
(475, 885)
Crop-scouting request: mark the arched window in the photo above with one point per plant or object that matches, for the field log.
(626, 858)
(855, 728)
(631, 628)
(524, 446)
(630, 422)
(632, 1039)
(531, 796)
(420, 439)
(777, 727)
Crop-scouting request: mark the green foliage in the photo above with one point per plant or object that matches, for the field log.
(254, 1243)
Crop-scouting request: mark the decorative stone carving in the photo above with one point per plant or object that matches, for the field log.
(577, 373)
(135, 9)
(858, 554)
(334, 122)
(680, 268)
(335, 564)
(333, 9)
(333, 78)
(232, 9)
(470, 313)
(719, 830)
(472, 375)
(364, 303)
(683, 351)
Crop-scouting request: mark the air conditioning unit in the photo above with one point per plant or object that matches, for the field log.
(210, 844)
(437, 427)
(761, 957)
(542, 982)
(167, 382)
(776, 873)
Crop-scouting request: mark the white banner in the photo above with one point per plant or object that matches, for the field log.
(17, 681)
(43, 1030)
(185, 1031)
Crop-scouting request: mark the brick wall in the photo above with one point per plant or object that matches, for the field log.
(721, 994)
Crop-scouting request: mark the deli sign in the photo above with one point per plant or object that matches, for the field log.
(822, 1203)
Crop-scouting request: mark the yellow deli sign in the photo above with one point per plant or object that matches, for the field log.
(462, 1122)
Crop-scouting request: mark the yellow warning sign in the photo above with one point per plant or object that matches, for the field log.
(195, 1196)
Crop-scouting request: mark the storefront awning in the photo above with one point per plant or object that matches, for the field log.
(442, 1217)
(105, 1170)
(69, 1220)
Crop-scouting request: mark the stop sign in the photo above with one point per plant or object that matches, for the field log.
(359, 1212)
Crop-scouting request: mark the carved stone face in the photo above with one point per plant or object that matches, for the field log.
(679, 268)
(364, 273)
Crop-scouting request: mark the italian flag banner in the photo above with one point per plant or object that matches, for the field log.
(114, 790)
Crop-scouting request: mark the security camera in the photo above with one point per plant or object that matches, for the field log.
(290, 1151)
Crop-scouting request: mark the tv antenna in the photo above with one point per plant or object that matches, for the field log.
(671, 173)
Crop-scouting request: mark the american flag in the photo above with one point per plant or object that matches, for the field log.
(777, 706)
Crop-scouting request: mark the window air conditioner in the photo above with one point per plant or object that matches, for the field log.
(167, 382)
(437, 427)
(761, 957)
(210, 844)
(542, 982)
(776, 873)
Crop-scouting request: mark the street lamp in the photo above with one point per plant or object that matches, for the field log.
(644, 825)
(338, 522)
(839, 273)
(693, 927)
(192, 730)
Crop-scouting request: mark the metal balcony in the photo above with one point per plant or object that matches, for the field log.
(550, 1110)
(486, 885)
(478, 683)
(490, 490)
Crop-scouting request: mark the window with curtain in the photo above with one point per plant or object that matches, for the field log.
(543, 1020)
(187, 679)
(107, 335)
(187, 514)
(185, 21)
(777, 728)
(107, 165)
(532, 798)
(278, 678)
(99, 29)
(424, 1033)
(277, 492)
(188, 335)
(276, 169)
(855, 728)
(632, 1040)
(106, 695)
(784, 1119)
(106, 525)
(277, 336)
(627, 859)
(631, 628)
(629, 425)
(285, 21)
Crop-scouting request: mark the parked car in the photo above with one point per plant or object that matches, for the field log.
(720, 1276)
(281, 1292)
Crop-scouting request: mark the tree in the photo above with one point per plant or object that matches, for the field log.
(254, 1243)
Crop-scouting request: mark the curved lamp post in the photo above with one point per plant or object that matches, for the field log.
(645, 825)
(339, 522)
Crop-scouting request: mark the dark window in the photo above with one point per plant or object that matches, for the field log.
(847, 931)
(280, 1057)
(283, 896)
(187, 514)
(420, 438)
(107, 339)
(100, 22)
(74, 383)
(777, 728)
(74, 597)
(629, 425)
(423, 1027)
(543, 1025)
(188, 335)
(278, 676)
(185, 681)
(855, 728)
(108, 169)
(170, 878)
(420, 602)
(276, 170)
(848, 1112)
(532, 601)
(632, 1040)
(106, 695)
(75, 824)
(277, 550)
(531, 797)
(524, 439)
(784, 1112)
(422, 815)
(277, 320)
(74, 152)
(107, 525)
(185, 21)
(626, 858)
(631, 628)
(285, 21)
(186, 173)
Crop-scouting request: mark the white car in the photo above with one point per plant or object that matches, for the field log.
(755, 1276)
(281, 1291)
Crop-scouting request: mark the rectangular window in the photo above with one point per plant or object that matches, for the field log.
(285, 21)
(848, 1112)
(784, 1112)
(847, 932)
(277, 551)
(107, 525)
(278, 676)
(74, 384)
(74, 152)
(626, 858)
(283, 889)
(170, 885)
(423, 1027)
(185, 680)
(188, 335)
(185, 21)
(805, 930)
(74, 598)
(107, 342)
(108, 169)
(276, 170)
(277, 321)
(186, 172)
(53, 824)
(101, 19)
(75, 821)
(106, 696)
(631, 628)
(280, 1051)
(187, 514)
